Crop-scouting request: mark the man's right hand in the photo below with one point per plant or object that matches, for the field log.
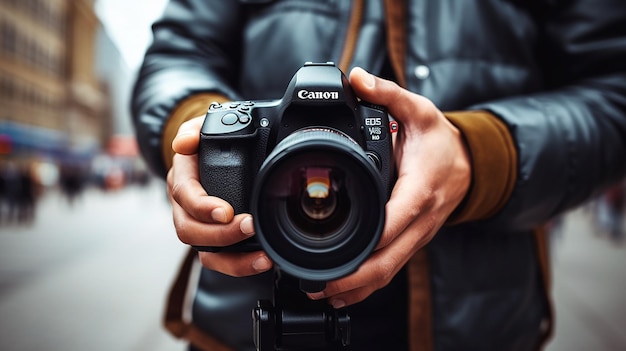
(204, 220)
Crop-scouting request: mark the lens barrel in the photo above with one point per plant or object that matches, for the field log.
(319, 204)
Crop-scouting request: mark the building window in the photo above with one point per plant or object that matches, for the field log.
(9, 39)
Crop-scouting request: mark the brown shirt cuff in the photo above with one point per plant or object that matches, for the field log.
(193, 106)
(494, 164)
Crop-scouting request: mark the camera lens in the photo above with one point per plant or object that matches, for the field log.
(318, 204)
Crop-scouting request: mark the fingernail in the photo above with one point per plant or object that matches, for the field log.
(185, 129)
(316, 295)
(182, 133)
(247, 226)
(219, 215)
(261, 264)
(337, 304)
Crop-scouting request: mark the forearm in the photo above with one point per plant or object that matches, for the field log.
(571, 144)
(570, 138)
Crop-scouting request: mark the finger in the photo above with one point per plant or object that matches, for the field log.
(378, 271)
(409, 198)
(193, 232)
(188, 137)
(236, 264)
(185, 189)
(371, 276)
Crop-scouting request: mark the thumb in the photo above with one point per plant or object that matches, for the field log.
(400, 103)
(188, 137)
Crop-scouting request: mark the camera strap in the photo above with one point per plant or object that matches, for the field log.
(174, 319)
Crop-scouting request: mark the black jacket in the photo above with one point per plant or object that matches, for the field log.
(553, 70)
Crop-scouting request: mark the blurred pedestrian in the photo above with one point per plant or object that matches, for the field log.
(612, 211)
(26, 197)
(11, 184)
(72, 181)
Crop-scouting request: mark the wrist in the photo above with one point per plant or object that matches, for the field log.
(493, 164)
(192, 106)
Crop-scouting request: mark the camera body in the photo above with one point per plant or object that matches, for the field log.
(314, 168)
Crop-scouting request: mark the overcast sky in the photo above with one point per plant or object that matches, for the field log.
(128, 23)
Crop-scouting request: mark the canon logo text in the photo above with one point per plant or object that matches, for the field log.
(318, 95)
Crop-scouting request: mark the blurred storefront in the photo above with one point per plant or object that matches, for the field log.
(63, 88)
(64, 120)
(52, 103)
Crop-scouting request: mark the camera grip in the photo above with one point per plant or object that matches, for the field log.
(225, 172)
(225, 169)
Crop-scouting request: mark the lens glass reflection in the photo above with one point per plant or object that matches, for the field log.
(317, 205)
(319, 200)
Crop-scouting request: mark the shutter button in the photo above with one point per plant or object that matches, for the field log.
(229, 119)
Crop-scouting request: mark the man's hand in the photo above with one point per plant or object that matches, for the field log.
(204, 220)
(434, 174)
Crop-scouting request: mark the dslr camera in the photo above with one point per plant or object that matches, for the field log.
(313, 168)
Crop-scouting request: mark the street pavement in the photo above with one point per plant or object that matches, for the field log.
(94, 276)
(589, 277)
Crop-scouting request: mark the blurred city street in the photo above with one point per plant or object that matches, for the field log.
(89, 276)
(93, 275)
(589, 285)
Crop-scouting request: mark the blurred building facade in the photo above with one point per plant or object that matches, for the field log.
(53, 103)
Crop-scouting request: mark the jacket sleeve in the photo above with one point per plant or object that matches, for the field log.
(195, 51)
(570, 139)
